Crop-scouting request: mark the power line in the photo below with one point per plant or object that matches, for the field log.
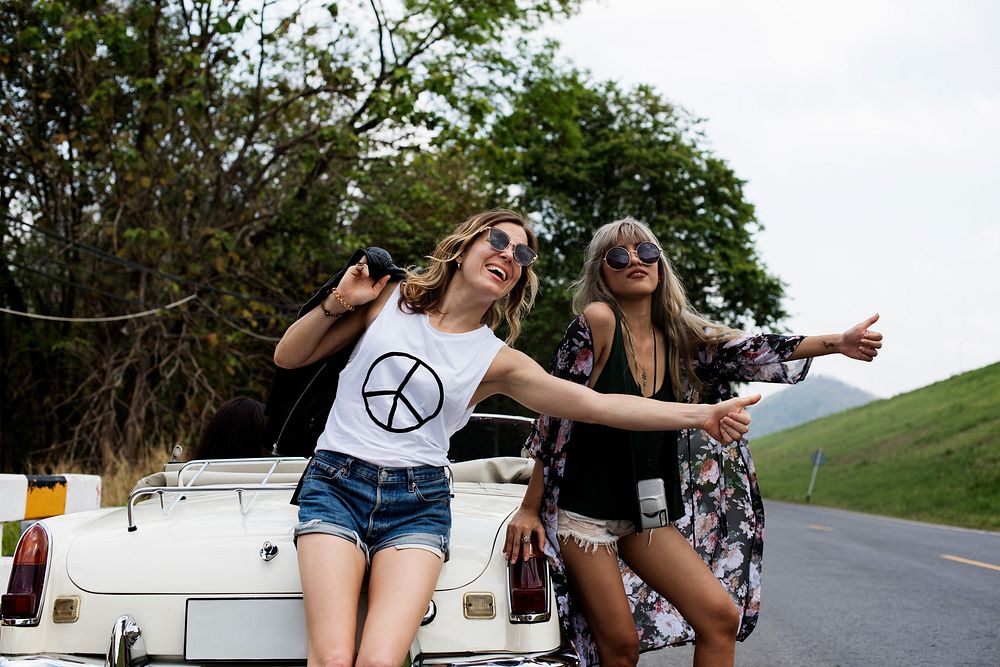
(137, 266)
(225, 319)
(47, 258)
(82, 286)
(213, 314)
(114, 318)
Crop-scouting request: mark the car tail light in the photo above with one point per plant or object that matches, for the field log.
(22, 602)
(528, 590)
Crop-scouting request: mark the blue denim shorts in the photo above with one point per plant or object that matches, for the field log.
(375, 507)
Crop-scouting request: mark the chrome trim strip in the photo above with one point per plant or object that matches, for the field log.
(562, 657)
(19, 622)
(540, 617)
(430, 614)
(127, 648)
(45, 661)
(492, 418)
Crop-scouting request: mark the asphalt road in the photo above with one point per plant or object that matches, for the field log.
(842, 588)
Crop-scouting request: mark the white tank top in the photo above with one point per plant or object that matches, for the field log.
(406, 389)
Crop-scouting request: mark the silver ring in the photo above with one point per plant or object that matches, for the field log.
(525, 539)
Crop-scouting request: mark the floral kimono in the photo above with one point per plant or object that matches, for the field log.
(724, 516)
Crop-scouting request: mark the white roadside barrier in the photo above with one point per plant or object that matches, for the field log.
(30, 497)
(27, 497)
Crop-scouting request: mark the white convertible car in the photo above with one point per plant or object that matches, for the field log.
(199, 568)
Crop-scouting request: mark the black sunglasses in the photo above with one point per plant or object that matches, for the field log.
(618, 258)
(500, 241)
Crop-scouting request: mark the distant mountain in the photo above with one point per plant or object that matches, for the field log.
(815, 397)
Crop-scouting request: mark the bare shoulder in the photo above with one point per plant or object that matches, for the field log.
(602, 321)
(511, 366)
(506, 370)
(506, 361)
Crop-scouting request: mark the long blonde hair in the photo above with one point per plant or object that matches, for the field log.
(424, 288)
(684, 327)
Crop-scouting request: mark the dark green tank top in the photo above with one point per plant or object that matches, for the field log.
(604, 463)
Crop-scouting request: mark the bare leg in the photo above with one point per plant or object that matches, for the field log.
(671, 566)
(597, 583)
(399, 588)
(331, 570)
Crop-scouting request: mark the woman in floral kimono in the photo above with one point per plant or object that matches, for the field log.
(637, 334)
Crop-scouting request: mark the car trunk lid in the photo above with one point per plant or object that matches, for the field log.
(206, 546)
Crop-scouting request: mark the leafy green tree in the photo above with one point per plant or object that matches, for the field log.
(153, 151)
(222, 158)
(580, 153)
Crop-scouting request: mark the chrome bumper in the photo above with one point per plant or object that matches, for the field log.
(126, 649)
(45, 661)
(562, 658)
(553, 660)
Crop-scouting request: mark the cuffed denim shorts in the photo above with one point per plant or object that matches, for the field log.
(376, 507)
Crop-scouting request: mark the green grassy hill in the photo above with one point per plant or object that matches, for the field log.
(931, 455)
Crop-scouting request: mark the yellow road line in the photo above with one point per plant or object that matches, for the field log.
(816, 526)
(977, 563)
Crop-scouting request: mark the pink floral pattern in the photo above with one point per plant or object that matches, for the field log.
(724, 516)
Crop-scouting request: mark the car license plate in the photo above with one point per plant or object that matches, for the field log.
(245, 629)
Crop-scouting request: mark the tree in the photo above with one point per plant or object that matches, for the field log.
(186, 172)
(581, 153)
(210, 154)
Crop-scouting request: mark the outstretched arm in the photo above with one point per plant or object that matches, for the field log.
(515, 374)
(858, 342)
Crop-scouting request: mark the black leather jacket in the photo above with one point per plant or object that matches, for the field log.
(300, 399)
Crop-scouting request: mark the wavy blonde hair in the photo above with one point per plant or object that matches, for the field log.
(684, 327)
(424, 288)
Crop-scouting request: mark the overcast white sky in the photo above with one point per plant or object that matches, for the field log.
(869, 134)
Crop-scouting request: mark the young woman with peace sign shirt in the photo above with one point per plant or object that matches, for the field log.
(375, 496)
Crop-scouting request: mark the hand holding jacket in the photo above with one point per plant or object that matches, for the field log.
(300, 398)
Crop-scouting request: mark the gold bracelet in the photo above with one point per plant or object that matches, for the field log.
(322, 304)
(343, 303)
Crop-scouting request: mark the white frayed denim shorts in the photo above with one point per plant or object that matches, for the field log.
(590, 533)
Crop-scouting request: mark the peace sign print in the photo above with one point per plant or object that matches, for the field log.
(401, 392)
